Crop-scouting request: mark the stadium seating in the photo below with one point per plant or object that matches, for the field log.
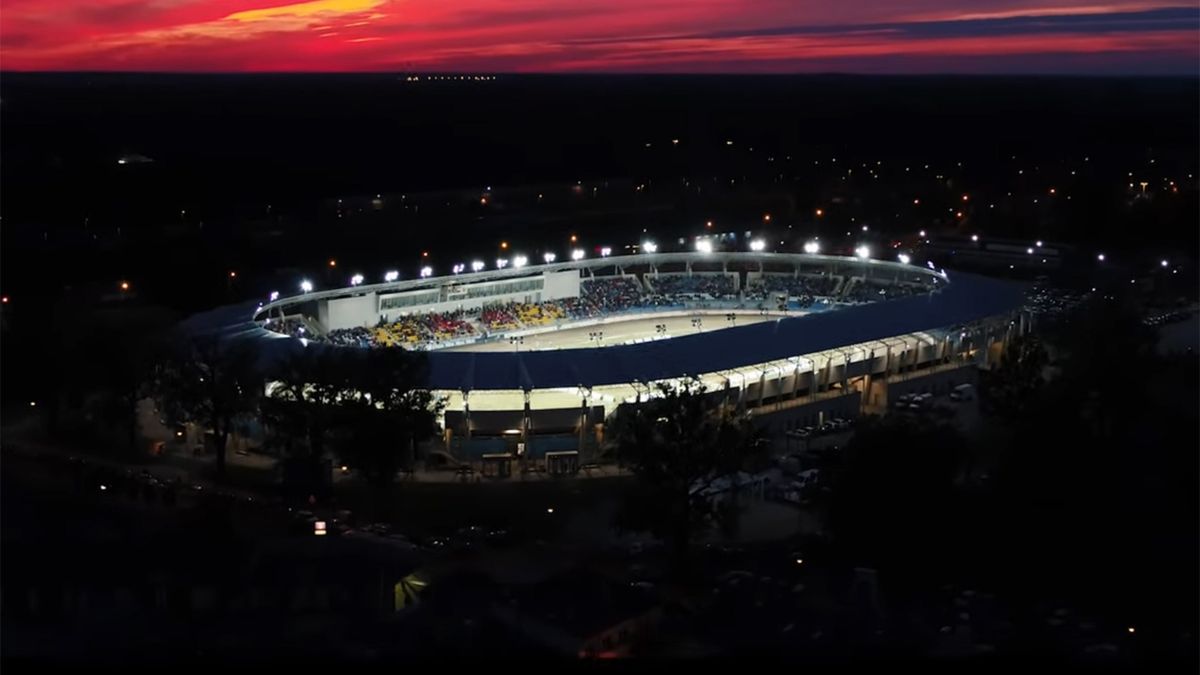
(708, 285)
(598, 296)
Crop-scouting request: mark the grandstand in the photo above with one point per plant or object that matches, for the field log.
(534, 360)
(446, 317)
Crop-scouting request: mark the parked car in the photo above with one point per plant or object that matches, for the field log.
(963, 392)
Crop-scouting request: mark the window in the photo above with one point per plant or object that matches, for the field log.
(408, 300)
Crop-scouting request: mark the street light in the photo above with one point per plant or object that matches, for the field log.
(391, 276)
(904, 258)
(501, 263)
(477, 265)
(811, 247)
(274, 296)
(577, 254)
(704, 246)
(649, 247)
(520, 261)
(758, 245)
(863, 252)
(426, 272)
(458, 268)
(549, 258)
(1163, 263)
(356, 280)
(306, 286)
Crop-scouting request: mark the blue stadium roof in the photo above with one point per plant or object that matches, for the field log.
(966, 299)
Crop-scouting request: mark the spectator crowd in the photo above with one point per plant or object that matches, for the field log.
(598, 296)
(696, 286)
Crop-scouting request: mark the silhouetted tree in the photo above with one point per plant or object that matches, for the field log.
(1010, 388)
(384, 413)
(302, 414)
(213, 383)
(104, 363)
(1101, 475)
(678, 444)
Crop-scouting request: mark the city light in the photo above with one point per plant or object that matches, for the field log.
(501, 263)
(274, 296)
(1163, 263)
(124, 285)
(391, 276)
(704, 246)
(458, 268)
(477, 265)
(356, 280)
(306, 286)
(767, 218)
(503, 245)
(4, 299)
(974, 237)
(921, 233)
(1029, 251)
(649, 247)
(1100, 257)
(904, 258)
(605, 251)
(520, 261)
(426, 272)
(574, 239)
(811, 247)
(1039, 244)
(332, 262)
(863, 252)
(758, 245)
(577, 254)
(232, 274)
(820, 212)
(549, 258)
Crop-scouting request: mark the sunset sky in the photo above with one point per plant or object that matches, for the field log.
(703, 36)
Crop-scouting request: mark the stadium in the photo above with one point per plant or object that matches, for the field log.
(531, 361)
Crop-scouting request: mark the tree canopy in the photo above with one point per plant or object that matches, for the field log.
(211, 383)
(679, 443)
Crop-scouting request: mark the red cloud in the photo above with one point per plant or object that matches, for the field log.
(585, 35)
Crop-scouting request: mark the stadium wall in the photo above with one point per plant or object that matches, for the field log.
(359, 310)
